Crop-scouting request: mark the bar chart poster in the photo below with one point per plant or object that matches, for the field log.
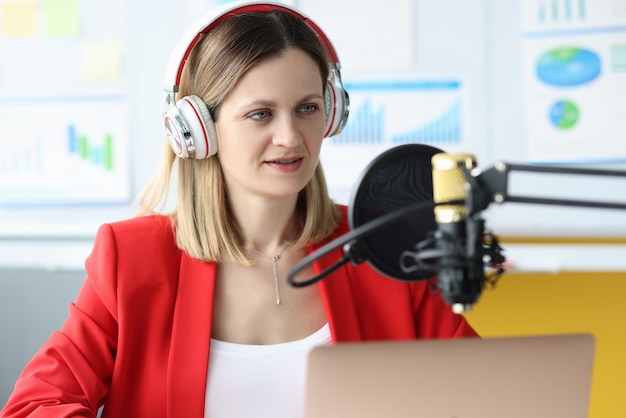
(64, 153)
(385, 113)
(575, 80)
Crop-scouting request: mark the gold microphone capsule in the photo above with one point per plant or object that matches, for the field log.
(450, 184)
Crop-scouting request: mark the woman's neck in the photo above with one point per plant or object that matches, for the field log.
(267, 224)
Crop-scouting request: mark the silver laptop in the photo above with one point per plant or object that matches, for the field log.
(504, 377)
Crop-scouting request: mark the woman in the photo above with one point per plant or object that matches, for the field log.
(187, 314)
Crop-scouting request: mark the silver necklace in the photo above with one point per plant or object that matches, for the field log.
(274, 259)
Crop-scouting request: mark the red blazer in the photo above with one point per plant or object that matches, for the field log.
(137, 336)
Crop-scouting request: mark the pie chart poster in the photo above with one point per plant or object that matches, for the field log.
(575, 83)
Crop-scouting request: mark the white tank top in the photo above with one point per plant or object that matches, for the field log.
(259, 380)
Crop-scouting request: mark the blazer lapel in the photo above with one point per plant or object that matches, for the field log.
(191, 333)
(338, 299)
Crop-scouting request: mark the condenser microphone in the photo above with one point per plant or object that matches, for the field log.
(459, 238)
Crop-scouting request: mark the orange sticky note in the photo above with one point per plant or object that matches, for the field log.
(19, 18)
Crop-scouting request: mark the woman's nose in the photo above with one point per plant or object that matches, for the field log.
(286, 132)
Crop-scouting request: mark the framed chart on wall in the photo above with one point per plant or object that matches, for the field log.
(63, 103)
(575, 78)
(392, 111)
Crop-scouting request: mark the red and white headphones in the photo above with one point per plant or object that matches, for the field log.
(188, 122)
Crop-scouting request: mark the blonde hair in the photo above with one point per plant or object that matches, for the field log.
(204, 225)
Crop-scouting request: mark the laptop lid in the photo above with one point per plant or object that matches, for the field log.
(531, 376)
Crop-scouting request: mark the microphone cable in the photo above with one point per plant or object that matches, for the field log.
(352, 236)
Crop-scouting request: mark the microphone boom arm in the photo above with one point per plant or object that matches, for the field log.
(492, 186)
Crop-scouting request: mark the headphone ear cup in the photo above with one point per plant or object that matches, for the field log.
(200, 123)
(336, 107)
(191, 115)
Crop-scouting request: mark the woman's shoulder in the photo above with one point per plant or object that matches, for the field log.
(145, 222)
(146, 231)
(144, 243)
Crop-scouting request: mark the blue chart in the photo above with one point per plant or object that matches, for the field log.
(26, 160)
(446, 129)
(74, 154)
(392, 112)
(399, 112)
(81, 146)
(548, 15)
(561, 10)
(366, 126)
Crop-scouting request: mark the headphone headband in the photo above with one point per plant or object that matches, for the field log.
(213, 18)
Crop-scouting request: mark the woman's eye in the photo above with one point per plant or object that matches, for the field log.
(309, 108)
(260, 115)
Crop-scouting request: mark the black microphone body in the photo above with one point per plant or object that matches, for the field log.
(460, 277)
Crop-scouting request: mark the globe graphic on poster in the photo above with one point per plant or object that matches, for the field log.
(564, 114)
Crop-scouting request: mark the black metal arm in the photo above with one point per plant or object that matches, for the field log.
(492, 186)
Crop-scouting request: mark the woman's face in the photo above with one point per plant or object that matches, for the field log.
(270, 127)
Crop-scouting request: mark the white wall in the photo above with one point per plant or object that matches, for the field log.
(477, 39)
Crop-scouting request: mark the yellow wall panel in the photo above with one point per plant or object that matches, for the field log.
(567, 302)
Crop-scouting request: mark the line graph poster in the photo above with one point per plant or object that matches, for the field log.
(389, 112)
(575, 78)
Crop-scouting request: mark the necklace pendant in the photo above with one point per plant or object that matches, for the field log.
(274, 268)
